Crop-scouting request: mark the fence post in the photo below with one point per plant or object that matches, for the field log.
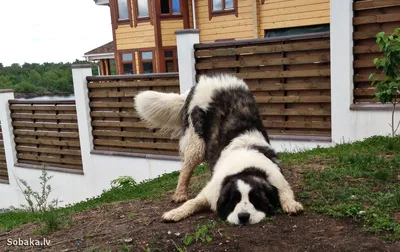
(79, 74)
(341, 29)
(185, 40)
(7, 131)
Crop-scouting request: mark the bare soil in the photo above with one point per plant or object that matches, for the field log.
(138, 224)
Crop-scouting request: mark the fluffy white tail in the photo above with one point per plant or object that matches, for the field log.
(161, 110)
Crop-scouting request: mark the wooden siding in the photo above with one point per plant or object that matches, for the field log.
(3, 164)
(290, 78)
(116, 126)
(128, 37)
(168, 28)
(370, 18)
(226, 26)
(46, 132)
(275, 14)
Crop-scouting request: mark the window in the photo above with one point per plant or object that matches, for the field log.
(142, 8)
(297, 30)
(123, 12)
(170, 7)
(222, 7)
(146, 62)
(170, 60)
(127, 63)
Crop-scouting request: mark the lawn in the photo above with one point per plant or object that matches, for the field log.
(354, 188)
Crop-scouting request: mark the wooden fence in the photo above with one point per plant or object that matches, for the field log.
(370, 18)
(289, 76)
(3, 164)
(116, 126)
(46, 132)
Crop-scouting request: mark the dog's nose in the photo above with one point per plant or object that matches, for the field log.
(244, 217)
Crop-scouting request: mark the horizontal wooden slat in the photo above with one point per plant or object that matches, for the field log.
(366, 49)
(290, 87)
(294, 99)
(49, 151)
(167, 146)
(21, 132)
(298, 124)
(48, 163)
(284, 74)
(47, 117)
(111, 104)
(325, 58)
(42, 108)
(110, 133)
(47, 142)
(113, 114)
(364, 91)
(74, 161)
(112, 94)
(142, 83)
(365, 77)
(136, 150)
(45, 125)
(376, 19)
(3, 173)
(303, 46)
(119, 124)
(374, 4)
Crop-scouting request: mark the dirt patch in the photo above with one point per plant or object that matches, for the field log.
(139, 224)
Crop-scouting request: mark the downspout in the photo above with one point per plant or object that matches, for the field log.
(255, 19)
(194, 14)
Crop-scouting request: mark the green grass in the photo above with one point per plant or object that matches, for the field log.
(359, 181)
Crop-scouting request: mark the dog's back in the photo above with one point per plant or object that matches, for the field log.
(220, 109)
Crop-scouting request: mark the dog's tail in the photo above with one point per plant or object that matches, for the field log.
(161, 110)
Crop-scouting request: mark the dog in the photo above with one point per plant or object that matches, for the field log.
(218, 122)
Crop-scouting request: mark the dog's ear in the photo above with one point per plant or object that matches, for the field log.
(228, 198)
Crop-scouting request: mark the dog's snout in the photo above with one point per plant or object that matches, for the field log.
(244, 217)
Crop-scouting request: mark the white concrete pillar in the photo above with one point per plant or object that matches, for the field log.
(341, 25)
(185, 40)
(79, 74)
(7, 131)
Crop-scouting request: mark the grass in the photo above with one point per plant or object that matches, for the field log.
(359, 181)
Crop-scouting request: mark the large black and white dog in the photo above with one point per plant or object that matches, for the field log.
(218, 122)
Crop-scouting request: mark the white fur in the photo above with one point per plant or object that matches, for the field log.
(207, 86)
(161, 110)
(245, 206)
(234, 159)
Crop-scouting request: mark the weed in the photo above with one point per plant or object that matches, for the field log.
(123, 181)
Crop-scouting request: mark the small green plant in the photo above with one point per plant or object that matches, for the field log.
(126, 247)
(123, 181)
(388, 88)
(201, 234)
(38, 201)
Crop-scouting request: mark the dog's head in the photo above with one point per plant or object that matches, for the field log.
(247, 197)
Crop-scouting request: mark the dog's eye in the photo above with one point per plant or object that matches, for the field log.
(236, 196)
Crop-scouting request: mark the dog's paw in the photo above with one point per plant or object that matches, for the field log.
(179, 197)
(292, 207)
(174, 215)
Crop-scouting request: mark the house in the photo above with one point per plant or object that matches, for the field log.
(144, 30)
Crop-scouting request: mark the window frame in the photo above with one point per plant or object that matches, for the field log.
(125, 20)
(212, 13)
(141, 61)
(171, 14)
(137, 18)
(122, 62)
(174, 58)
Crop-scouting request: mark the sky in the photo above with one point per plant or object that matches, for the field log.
(51, 30)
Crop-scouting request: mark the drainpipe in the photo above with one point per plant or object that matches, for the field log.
(194, 14)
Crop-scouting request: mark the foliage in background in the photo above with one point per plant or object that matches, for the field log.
(41, 79)
(388, 88)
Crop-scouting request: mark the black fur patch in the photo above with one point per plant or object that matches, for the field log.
(269, 153)
(231, 113)
(262, 195)
(185, 112)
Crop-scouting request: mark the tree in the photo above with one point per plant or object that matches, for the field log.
(388, 88)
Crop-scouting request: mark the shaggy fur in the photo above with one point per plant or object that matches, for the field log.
(219, 123)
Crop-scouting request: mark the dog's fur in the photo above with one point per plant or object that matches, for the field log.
(218, 122)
